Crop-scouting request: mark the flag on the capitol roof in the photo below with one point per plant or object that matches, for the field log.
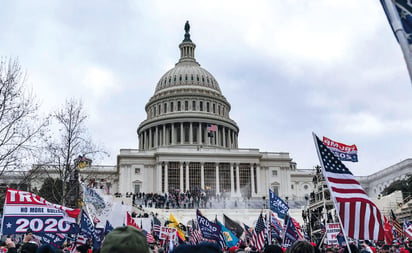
(211, 127)
(361, 218)
(258, 238)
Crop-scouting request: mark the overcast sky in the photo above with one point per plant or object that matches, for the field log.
(287, 67)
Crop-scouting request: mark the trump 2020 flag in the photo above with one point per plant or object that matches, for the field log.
(277, 205)
(342, 151)
(360, 217)
(24, 210)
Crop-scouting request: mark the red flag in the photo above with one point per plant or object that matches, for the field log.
(131, 222)
(361, 218)
(388, 232)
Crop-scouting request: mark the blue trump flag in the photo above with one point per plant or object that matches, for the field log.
(230, 239)
(277, 205)
(209, 229)
(291, 233)
(87, 228)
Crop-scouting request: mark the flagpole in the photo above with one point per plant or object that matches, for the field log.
(333, 199)
(397, 27)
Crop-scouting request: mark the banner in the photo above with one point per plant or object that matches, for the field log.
(342, 151)
(209, 229)
(166, 233)
(24, 210)
(332, 231)
(277, 205)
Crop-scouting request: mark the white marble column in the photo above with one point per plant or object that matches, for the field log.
(166, 177)
(224, 136)
(164, 135)
(252, 185)
(150, 138)
(202, 175)
(159, 177)
(232, 181)
(237, 180)
(181, 177)
(173, 134)
(182, 137)
(217, 143)
(191, 133)
(217, 179)
(187, 177)
(259, 189)
(156, 137)
(199, 135)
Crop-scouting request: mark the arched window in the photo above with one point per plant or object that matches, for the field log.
(171, 106)
(186, 105)
(178, 106)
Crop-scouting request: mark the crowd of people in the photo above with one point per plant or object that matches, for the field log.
(128, 239)
(196, 198)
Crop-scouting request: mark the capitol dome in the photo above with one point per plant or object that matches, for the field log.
(187, 108)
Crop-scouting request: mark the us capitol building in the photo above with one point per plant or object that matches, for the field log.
(188, 142)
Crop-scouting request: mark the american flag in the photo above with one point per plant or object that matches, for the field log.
(150, 238)
(258, 239)
(156, 225)
(398, 227)
(298, 228)
(211, 128)
(360, 217)
(407, 227)
(81, 240)
(195, 234)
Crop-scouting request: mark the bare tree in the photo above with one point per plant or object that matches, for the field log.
(20, 127)
(69, 143)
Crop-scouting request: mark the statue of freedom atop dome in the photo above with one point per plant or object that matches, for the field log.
(187, 34)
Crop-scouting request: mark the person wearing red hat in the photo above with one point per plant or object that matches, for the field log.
(233, 249)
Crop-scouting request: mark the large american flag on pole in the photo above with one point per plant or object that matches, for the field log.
(360, 217)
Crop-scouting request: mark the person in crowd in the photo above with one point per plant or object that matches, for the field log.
(273, 249)
(302, 246)
(353, 249)
(126, 239)
(29, 244)
(198, 248)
